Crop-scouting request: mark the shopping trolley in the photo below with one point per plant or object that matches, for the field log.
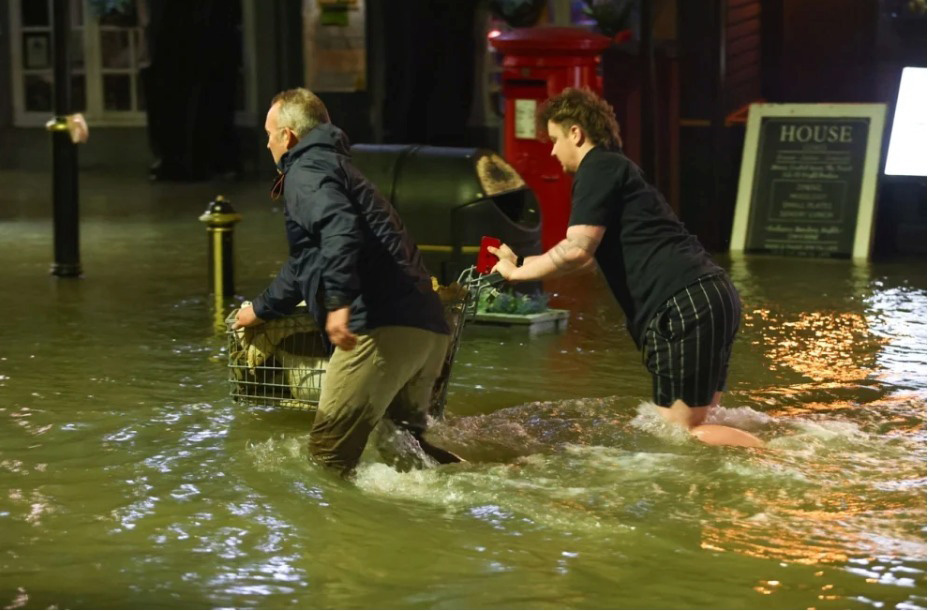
(283, 362)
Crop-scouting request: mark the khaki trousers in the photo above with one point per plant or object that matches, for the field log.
(389, 373)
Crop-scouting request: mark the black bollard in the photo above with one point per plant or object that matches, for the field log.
(220, 218)
(64, 153)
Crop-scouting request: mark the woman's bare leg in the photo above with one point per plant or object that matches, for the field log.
(691, 418)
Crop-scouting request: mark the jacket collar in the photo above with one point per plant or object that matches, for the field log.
(325, 136)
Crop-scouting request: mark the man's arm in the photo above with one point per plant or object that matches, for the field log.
(278, 300)
(572, 254)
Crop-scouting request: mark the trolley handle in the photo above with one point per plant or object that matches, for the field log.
(491, 279)
(472, 280)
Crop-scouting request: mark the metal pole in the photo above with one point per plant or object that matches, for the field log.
(220, 218)
(64, 153)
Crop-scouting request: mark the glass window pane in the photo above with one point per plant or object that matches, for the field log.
(114, 49)
(36, 12)
(37, 50)
(116, 92)
(140, 93)
(78, 92)
(124, 16)
(77, 12)
(141, 47)
(77, 49)
(38, 92)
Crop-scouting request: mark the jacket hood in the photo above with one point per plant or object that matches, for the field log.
(324, 136)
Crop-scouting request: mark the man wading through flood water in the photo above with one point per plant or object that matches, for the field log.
(681, 309)
(363, 279)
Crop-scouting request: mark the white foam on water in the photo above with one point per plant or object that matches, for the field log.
(743, 417)
(811, 435)
(531, 492)
(454, 491)
(273, 454)
(831, 429)
(650, 421)
(622, 465)
(760, 518)
(757, 471)
(748, 467)
(382, 479)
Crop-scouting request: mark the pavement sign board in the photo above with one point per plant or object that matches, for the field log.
(808, 180)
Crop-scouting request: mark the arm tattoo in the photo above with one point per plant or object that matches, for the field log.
(558, 255)
(563, 257)
(585, 243)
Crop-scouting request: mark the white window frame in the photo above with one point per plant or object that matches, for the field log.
(93, 73)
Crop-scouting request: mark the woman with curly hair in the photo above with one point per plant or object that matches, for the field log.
(681, 309)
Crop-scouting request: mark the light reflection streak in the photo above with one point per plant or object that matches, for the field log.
(767, 586)
(900, 316)
(494, 515)
(826, 346)
(124, 434)
(13, 466)
(275, 575)
(185, 492)
(20, 600)
(36, 505)
(841, 522)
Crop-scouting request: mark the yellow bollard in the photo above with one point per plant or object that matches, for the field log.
(220, 218)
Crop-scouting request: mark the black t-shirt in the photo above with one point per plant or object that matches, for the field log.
(647, 255)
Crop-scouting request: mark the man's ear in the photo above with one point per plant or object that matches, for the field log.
(292, 139)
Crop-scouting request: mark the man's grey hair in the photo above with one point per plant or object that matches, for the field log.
(301, 110)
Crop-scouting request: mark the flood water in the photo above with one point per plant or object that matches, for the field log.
(130, 479)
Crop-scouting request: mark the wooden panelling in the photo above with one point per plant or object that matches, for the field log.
(743, 53)
(743, 61)
(743, 12)
(743, 29)
(743, 44)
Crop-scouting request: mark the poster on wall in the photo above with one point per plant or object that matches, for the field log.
(334, 48)
(808, 180)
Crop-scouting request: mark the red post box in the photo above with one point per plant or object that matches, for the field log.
(537, 64)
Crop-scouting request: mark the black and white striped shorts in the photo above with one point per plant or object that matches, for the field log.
(688, 342)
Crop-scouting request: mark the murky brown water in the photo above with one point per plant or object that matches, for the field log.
(128, 478)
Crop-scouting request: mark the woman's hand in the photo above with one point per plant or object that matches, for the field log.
(503, 252)
(505, 268)
(507, 260)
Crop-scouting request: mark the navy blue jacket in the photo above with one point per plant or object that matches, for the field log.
(348, 245)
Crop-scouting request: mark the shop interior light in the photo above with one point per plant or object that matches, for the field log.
(908, 154)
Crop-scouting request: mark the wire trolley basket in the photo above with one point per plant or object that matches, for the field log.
(283, 362)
